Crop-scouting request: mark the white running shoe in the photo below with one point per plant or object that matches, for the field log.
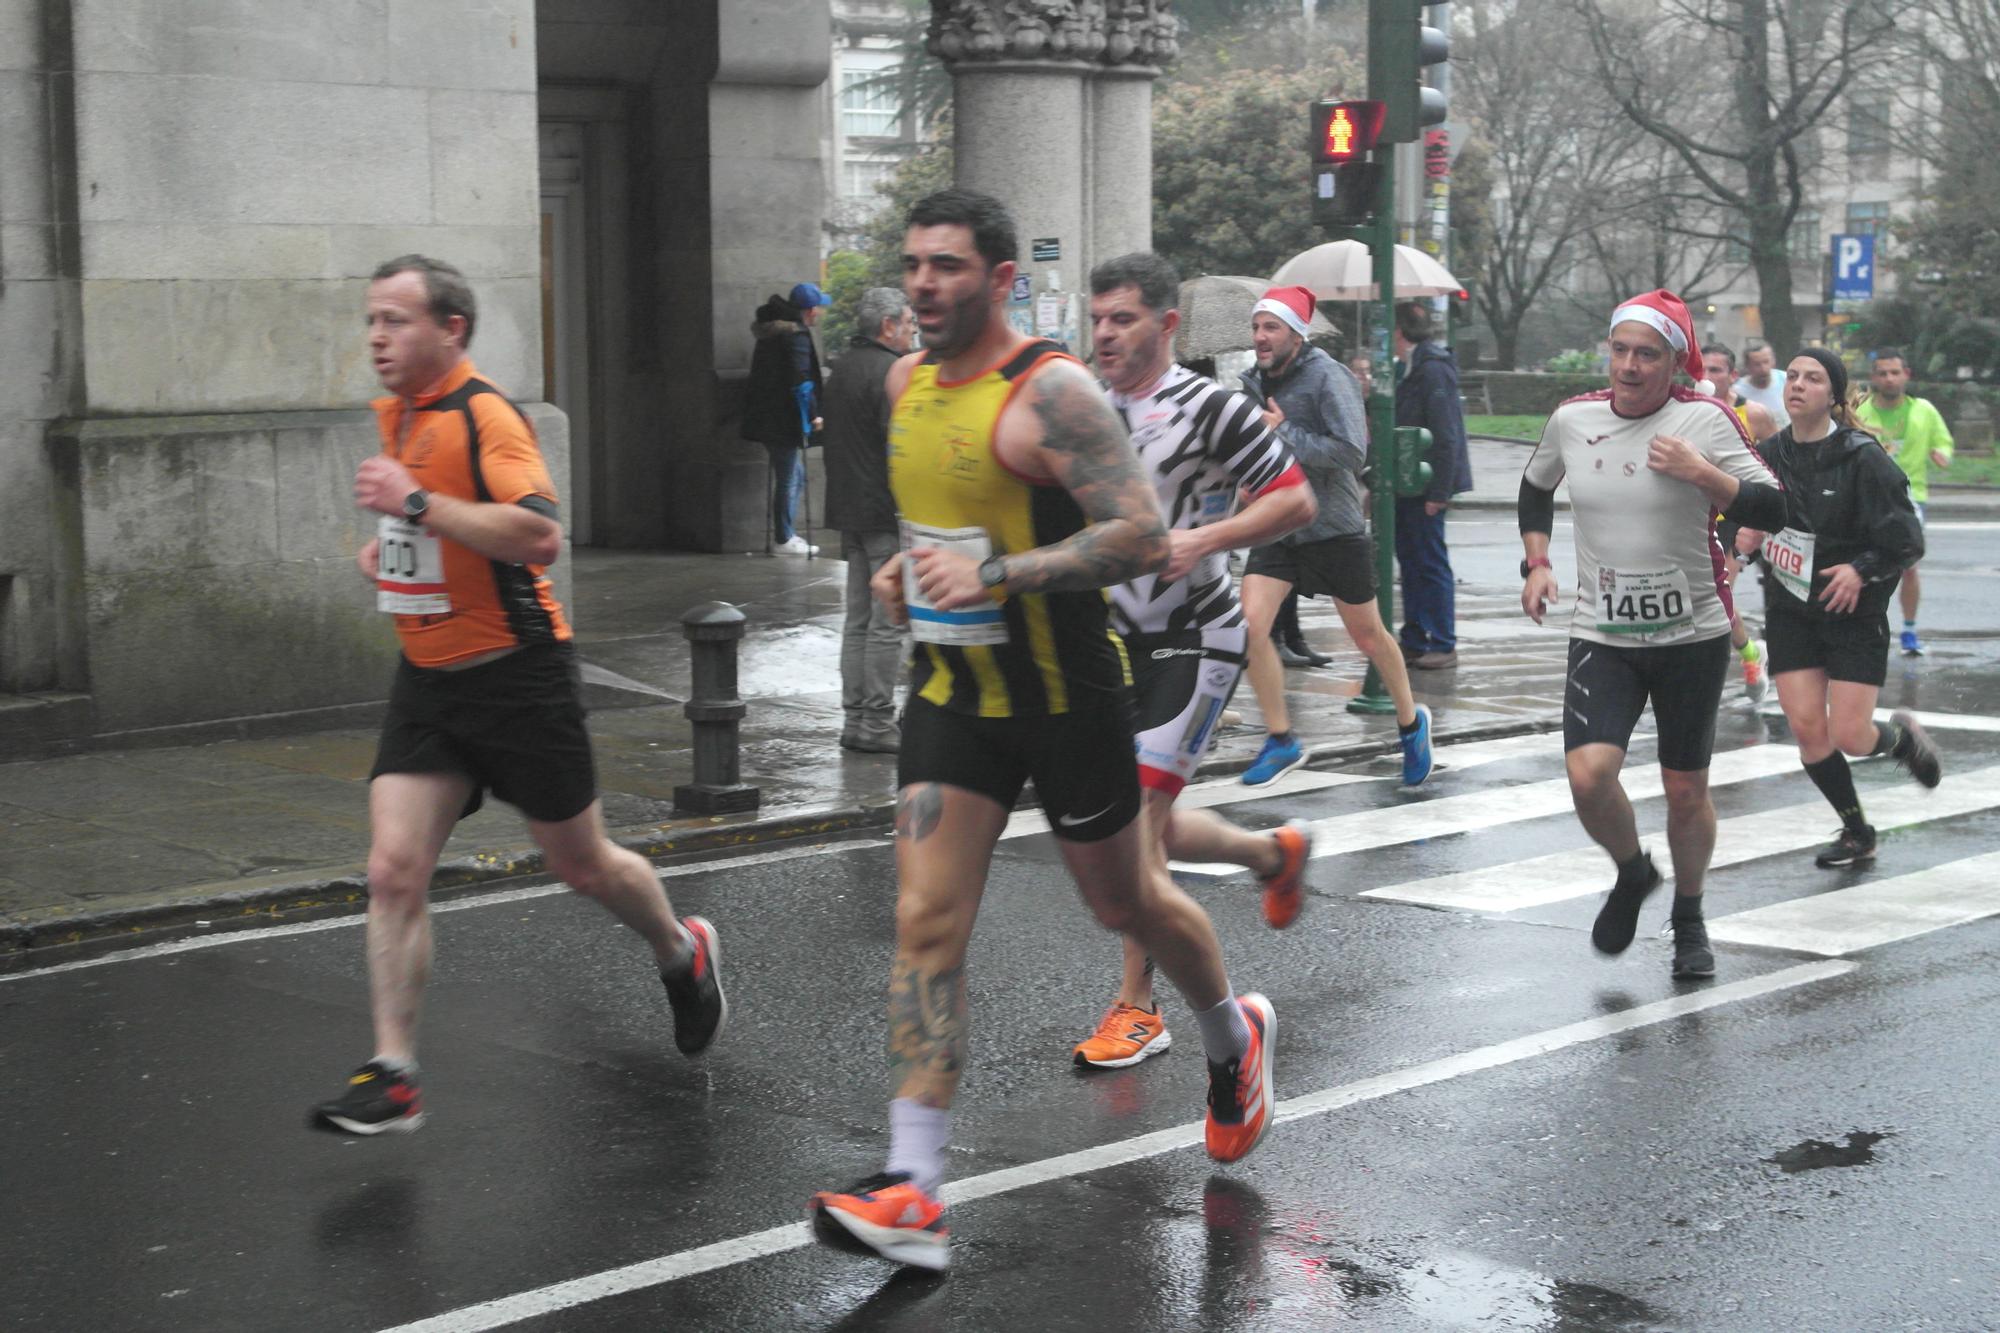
(796, 546)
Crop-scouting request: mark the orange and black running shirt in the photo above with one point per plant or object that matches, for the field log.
(1034, 654)
(469, 442)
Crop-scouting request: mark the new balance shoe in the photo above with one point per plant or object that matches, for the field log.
(1852, 847)
(1239, 1092)
(1276, 759)
(1916, 754)
(377, 1101)
(1693, 959)
(701, 1010)
(1417, 749)
(887, 1217)
(1285, 892)
(1126, 1035)
(1618, 920)
(1911, 648)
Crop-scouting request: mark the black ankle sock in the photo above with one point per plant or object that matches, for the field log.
(1409, 728)
(1283, 737)
(1835, 781)
(1891, 738)
(1687, 907)
(1636, 870)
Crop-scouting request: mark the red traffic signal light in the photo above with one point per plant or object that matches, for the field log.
(1343, 132)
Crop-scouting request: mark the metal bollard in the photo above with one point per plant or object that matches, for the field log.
(712, 630)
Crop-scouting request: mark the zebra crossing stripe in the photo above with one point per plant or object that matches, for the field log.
(1882, 911)
(1541, 880)
(1935, 721)
(1418, 820)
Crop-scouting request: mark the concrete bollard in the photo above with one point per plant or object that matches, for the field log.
(712, 630)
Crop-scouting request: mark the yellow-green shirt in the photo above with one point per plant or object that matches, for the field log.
(1910, 433)
(1057, 653)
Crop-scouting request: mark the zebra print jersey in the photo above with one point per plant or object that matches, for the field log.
(1203, 444)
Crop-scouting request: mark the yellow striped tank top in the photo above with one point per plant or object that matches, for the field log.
(1036, 653)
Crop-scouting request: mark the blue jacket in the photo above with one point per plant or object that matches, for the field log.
(1428, 397)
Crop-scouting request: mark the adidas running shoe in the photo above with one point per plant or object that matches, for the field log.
(885, 1217)
(1239, 1093)
(1127, 1035)
(377, 1101)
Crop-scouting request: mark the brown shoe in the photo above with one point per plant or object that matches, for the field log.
(1435, 661)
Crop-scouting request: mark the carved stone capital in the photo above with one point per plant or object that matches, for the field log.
(1108, 32)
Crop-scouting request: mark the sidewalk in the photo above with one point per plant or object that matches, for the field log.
(117, 843)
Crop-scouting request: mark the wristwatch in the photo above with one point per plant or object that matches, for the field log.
(993, 575)
(415, 505)
(1539, 562)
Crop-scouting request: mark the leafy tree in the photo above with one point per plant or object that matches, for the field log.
(846, 278)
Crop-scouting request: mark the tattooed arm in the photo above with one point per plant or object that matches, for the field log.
(1061, 428)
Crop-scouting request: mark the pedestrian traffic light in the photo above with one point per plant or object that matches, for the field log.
(1400, 45)
(1413, 474)
(1346, 185)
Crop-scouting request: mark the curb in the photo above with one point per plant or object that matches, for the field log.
(345, 890)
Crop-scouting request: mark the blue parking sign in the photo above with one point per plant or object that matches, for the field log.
(1854, 268)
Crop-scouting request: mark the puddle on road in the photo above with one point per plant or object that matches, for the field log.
(1816, 1154)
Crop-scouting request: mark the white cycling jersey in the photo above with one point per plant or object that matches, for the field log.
(1649, 569)
(1202, 444)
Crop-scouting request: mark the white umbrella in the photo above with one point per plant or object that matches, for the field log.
(1345, 271)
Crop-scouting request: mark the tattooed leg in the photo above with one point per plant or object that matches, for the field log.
(1135, 985)
(928, 1041)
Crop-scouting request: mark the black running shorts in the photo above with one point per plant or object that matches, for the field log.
(1850, 648)
(1081, 763)
(1610, 685)
(513, 725)
(1339, 567)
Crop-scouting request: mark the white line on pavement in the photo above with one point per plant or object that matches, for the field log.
(1541, 880)
(1880, 912)
(1415, 821)
(1936, 721)
(778, 1240)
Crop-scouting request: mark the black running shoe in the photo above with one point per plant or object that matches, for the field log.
(1854, 846)
(1693, 959)
(1916, 754)
(376, 1102)
(701, 1010)
(1618, 920)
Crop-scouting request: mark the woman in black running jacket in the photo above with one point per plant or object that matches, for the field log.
(1850, 533)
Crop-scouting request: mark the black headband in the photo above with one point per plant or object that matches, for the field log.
(1836, 373)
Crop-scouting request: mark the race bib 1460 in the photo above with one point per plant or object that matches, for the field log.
(1645, 602)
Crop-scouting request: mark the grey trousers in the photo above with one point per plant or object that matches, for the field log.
(871, 647)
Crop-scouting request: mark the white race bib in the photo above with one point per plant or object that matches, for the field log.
(409, 570)
(1790, 555)
(1647, 602)
(968, 626)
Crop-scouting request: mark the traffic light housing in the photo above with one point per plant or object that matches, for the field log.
(1400, 46)
(1346, 185)
(1413, 474)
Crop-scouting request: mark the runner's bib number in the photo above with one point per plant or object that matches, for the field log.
(409, 572)
(968, 626)
(1790, 555)
(1651, 602)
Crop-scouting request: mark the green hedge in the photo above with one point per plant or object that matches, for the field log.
(1526, 393)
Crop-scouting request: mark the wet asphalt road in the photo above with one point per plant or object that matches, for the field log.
(1815, 1157)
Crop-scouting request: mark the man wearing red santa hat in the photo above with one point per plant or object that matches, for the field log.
(1649, 465)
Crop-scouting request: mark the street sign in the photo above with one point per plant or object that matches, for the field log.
(1854, 268)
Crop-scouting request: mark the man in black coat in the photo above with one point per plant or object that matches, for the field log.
(783, 391)
(1427, 396)
(859, 505)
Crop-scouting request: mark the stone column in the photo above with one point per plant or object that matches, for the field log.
(1052, 114)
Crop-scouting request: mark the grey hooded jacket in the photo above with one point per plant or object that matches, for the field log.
(1326, 429)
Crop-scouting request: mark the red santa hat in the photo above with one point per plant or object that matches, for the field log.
(1293, 305)
(1667, 315)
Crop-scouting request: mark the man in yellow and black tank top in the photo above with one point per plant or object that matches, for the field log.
(1027, 655)
(1021, 500)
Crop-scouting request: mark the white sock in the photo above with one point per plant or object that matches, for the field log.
(1224, 1034)
(396, 1064)
(917, 1135)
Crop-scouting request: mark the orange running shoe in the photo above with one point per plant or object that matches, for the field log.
(885, 1217)
(1284, 892)
(1127, 1035)
(1239, 1093)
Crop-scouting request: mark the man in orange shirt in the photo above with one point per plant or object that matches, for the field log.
(487, 694)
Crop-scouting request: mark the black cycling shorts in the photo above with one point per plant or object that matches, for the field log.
(1339, 567)
(1611, 683)
(1081, 763)
(513, 725)
(1850, 648)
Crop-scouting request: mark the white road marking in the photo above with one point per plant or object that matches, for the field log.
(1388, 826)
(1959, 526)
(1882, 911)
(1541, 880)
(778, 1240)
(1932, 721)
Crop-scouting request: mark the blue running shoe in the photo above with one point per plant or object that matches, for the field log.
(1417, 749)
(1911, 648)
(1276, 759)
